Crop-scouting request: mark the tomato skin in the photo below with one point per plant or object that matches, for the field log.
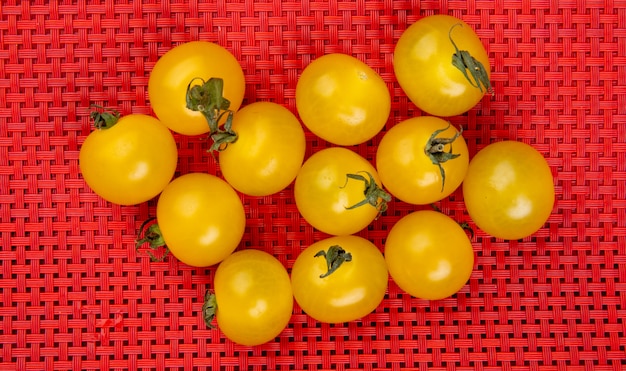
(422, 65)
(254, 297)
(429, 255)
(269, 150)
(323, 194)
(130, 162)
(342, 100)
(509, 190)
(172, 73)
(406, 170)
(201, 218)
(351, 292)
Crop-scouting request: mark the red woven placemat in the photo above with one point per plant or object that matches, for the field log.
(76, 295)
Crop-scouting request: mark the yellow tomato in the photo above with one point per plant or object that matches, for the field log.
(442, 65)
(429, 255)
(339, 279)
(201, 219)
(175, 70)
(338, 191)
(253, 299)
(129, 162)
(509, 190)
(342, 100)
(422, 160)
(268, 152)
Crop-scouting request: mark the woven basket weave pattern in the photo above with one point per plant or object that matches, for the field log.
(76, 295)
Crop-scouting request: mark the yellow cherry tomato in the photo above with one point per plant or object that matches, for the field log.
(509, 190)
(268, 152)
(177, 68)
(201, 219)
(338, 191)
(429, 255)
(339, 279)
(422, 160)
(342, 100)
(252, 300)
(130, 160)
(442, 65)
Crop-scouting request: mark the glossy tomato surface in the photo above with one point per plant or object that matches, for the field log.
(429, 255)
(175, 70)
(130, 162)
(254, 297)
(201, 218)
(436, 75)
(342, 100)
(509, 190)
(329, 199)
(352, 290)
(269, 150)
(422, 160)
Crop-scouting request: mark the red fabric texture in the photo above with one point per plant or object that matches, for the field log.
(76, 295)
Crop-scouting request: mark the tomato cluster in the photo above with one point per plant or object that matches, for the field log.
(197, 88)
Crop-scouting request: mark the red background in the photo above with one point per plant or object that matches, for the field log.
(76, 295)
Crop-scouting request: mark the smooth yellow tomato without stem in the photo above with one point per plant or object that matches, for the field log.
(509, 190)
(338, 191)
(437, 61)
(175, 70)
(422, 160)
(339, 279)
(429, 255)
(201, 219)
(342, 100)
(268, 152)
(129, 162)
(253, 297)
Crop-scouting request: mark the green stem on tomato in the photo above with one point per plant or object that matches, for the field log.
(105, 119)
(465, 62)
(152, 235)
(435, 150)
(335, 257)
(208, 99)
(374, 195)
(209, 309)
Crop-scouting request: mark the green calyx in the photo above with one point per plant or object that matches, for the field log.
(335, 257)
(208, 99)
(435, 150)
(468, 65)
(103, 118)
(152, 235)
(374, 195)
(209, 309)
